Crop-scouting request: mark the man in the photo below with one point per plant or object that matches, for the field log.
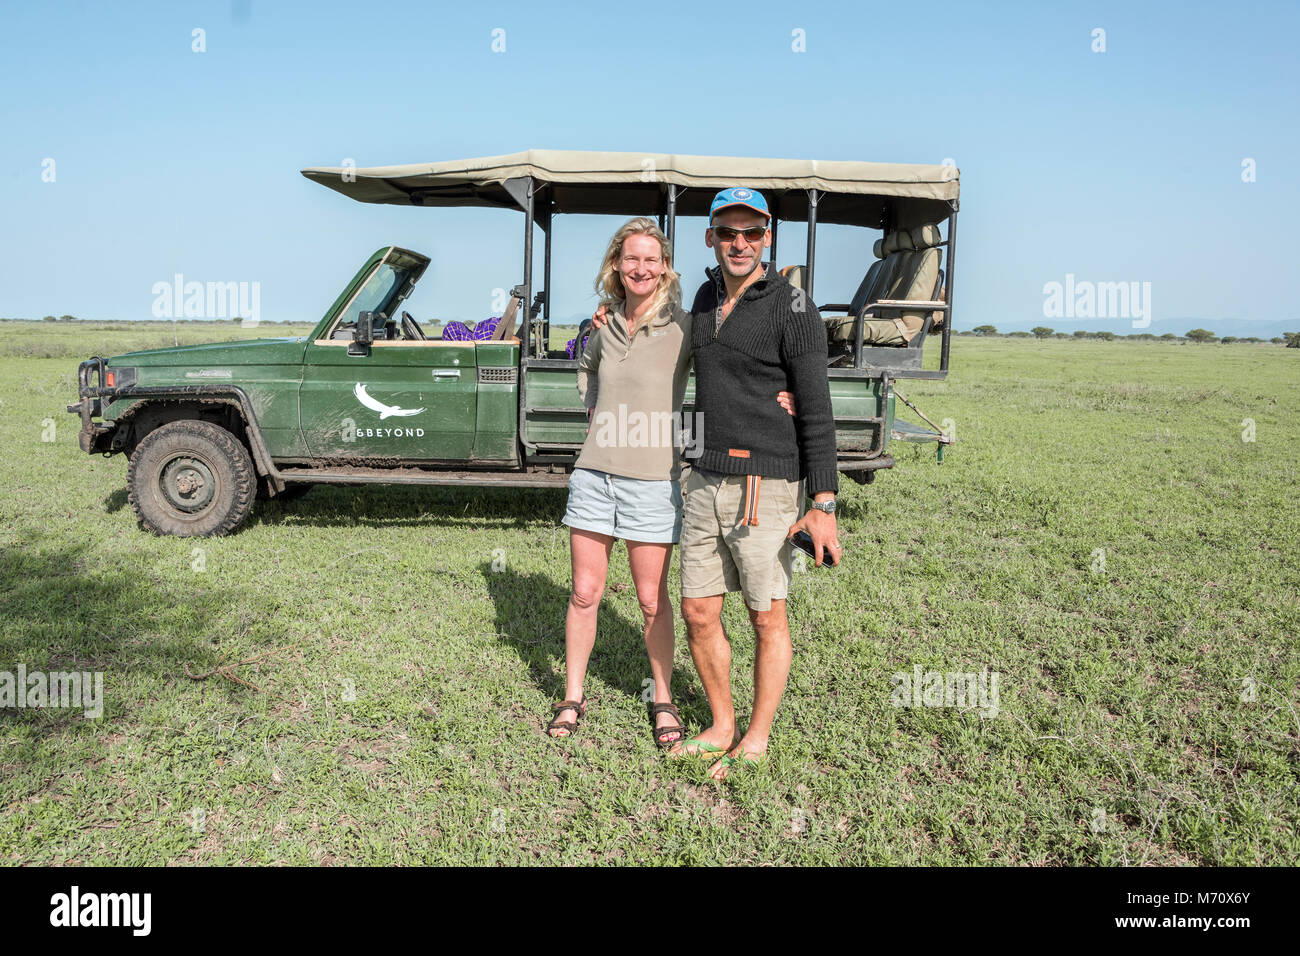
(753, 334)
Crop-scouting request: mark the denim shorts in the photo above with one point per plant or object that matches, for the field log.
(633, 509)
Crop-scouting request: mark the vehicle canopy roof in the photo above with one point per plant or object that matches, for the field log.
(855, 193)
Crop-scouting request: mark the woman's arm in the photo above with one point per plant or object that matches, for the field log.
(588, 369)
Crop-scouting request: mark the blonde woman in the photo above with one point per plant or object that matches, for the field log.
(632, 378)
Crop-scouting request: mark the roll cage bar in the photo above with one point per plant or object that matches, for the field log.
(539, 208)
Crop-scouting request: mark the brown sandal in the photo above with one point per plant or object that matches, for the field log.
(571, 726)
(658, 732)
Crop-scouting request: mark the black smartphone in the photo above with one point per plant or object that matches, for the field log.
(803, 541)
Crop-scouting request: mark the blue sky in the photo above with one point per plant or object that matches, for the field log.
(1117, 166)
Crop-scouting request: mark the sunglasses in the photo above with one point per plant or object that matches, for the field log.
(752, 234)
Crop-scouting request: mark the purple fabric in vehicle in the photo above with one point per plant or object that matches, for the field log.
(456, 331)
(571, 347)
(487, 328)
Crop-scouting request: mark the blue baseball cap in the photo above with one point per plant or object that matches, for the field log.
(739, 196)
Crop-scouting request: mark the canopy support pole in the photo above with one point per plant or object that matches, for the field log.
(546, 222)
(948, 281)
(529, 219)
(521, 190)
(772, 252)
(813, 196)
(672, 219)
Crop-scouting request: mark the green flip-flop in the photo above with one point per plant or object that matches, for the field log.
(743, 760)
(701, 749)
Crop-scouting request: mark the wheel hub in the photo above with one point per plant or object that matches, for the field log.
(188, 484)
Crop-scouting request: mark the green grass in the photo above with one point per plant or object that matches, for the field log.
(1121, 689)
(79, 340)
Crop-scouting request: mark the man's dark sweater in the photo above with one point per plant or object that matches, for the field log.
(765, 344)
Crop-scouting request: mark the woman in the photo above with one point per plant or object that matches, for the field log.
(632, 378)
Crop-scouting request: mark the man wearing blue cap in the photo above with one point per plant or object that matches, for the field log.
(753, 335)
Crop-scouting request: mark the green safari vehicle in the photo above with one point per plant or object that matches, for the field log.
(369, 397)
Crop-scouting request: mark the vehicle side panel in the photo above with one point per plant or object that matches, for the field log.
(556, 417)
(496, 432)
(402, 400)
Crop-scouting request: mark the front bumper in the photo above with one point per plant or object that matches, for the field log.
(95, 437)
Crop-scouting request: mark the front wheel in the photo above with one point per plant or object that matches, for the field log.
(190, 479)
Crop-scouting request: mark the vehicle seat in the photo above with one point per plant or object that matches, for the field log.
(879, 273)
(918, 282)
(915, 274)
(797, 276)
(891, 258)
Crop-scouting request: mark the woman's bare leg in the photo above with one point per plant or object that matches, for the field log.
(590, 554)
(649, 562)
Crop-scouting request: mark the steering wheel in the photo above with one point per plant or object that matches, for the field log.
(411, 329)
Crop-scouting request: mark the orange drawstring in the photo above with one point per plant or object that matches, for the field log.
(750, 516)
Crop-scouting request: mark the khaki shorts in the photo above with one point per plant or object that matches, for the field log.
(721, 555)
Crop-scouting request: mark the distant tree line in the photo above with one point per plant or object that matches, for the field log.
(234, 320)
(1200, 336)
(1290, 339)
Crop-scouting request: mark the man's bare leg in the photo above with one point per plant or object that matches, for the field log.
(711, 652)
(772, 653)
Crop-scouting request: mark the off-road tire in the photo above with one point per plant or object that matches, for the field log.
(175, 456)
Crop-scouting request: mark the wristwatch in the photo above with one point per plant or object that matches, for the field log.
(826, 506)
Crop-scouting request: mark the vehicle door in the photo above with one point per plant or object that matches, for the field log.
(403, 398)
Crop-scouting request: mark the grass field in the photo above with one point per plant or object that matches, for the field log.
(1103, 538)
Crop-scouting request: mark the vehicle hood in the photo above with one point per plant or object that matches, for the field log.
(281, 351)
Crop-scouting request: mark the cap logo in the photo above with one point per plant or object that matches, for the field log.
(741, 193)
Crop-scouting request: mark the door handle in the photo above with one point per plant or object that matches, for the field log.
(446, 373)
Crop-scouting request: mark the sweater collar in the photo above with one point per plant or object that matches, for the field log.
(665, 316)
(766, 284)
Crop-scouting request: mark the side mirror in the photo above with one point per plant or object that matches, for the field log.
(363, 335)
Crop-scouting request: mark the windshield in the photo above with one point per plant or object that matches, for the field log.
(374, 296)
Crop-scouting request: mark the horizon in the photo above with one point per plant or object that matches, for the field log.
(1075, 333)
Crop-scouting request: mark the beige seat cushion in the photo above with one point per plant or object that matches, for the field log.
(910, 271)
(891, 258)
(924, 237)
(797, 276)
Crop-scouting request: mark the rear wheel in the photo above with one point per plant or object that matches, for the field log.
(191, 478)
